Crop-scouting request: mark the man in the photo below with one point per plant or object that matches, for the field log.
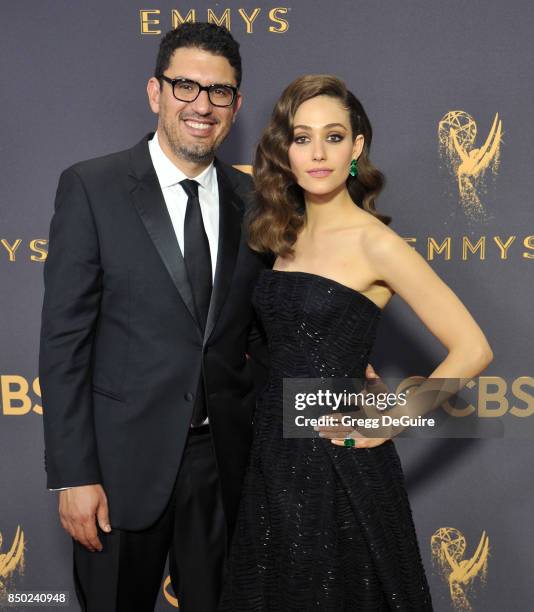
(147, 322)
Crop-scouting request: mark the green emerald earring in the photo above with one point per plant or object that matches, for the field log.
(353, 168)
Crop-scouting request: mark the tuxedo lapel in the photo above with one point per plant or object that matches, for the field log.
(230, 217)
(148, 199)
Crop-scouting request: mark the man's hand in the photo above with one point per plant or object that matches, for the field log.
(370, 373)
(336, 433)
(78, 508)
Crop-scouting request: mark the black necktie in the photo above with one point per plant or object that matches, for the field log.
(198, 264)
(197, 253)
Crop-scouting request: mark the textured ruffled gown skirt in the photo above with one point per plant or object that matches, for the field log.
(320, 526)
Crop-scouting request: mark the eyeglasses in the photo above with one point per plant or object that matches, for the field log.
(187, 90)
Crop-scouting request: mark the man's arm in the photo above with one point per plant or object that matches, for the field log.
(72, 279)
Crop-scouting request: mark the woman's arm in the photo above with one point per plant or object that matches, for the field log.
(392, 260)
(437, 306)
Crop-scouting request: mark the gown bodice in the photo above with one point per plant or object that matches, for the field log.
(316, 327)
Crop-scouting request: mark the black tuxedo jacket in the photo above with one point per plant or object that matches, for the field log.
(121, 352)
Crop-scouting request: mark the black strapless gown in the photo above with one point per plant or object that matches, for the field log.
(320, 526)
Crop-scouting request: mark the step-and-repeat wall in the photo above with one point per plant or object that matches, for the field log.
(448, 89)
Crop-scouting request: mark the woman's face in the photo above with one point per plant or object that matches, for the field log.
(322, 148)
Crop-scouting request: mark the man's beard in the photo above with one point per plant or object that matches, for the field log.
(197, 154)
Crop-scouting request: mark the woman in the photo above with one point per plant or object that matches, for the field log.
(323, 526)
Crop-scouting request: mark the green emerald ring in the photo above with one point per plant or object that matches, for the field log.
(349, 442)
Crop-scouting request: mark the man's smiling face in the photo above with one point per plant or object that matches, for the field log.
(193, 130)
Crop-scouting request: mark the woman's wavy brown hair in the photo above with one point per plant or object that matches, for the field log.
(276, 217)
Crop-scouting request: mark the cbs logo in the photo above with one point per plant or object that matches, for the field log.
(495, 396)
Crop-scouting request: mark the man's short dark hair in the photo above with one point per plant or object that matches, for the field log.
(206, 36)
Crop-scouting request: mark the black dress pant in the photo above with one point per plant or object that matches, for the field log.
(126, 576)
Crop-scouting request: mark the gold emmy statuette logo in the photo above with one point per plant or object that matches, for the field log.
(12, 560)
(457, 133)
(170, 598)
(448, 547)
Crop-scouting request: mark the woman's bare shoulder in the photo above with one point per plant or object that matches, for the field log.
(367, 232)
(380, 239)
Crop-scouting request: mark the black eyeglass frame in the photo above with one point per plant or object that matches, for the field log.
(201, 88)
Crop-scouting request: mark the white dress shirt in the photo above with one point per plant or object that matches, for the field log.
(169, 177)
